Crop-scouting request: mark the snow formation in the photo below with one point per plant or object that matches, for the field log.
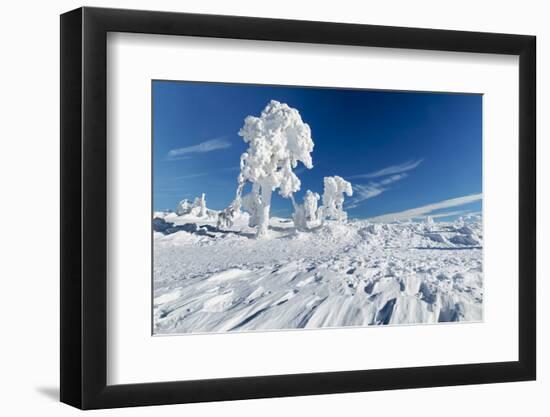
(336, 274)
(197, 208)
(333, 197)
(306, 213)
(277, 141)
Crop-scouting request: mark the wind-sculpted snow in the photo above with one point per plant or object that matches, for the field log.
(352, 274)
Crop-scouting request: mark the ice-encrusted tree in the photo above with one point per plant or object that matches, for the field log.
(251, 205)
(333, 198)
(197, 208)
(183, 207)
(277, 140)
(310, 205)
(200, 203)
(307, 211)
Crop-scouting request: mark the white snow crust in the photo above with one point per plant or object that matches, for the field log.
(336, 274)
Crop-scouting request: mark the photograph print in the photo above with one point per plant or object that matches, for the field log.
(279, 208)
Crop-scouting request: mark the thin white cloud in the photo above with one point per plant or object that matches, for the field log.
(191, 176)
(390, 170)
(204, 174)
(362, 192)
(393, 178)
(426, 210)
(445, 214)
(206, 146)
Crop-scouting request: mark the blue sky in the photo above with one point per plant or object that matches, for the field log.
(401, 151)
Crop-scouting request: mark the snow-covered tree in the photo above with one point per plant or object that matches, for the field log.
(310, 205)
(225, 217)
(333, 198)
(197, 208)
(305, 212)
(277, 141)
(250, 204)
(202, 205)
(184, 207)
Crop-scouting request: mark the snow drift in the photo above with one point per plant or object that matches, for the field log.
(338, 274)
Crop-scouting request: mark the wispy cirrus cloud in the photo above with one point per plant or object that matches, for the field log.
(362, 192)
(392, 174)
(419, 212)
(202, 147)
(206, 173)
(442, 215)
(391, 170)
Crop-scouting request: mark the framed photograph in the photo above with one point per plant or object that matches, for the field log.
(258, 208)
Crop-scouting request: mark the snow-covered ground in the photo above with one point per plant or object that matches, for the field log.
(352, 274)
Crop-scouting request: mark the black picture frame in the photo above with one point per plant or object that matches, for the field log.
(84, 207)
